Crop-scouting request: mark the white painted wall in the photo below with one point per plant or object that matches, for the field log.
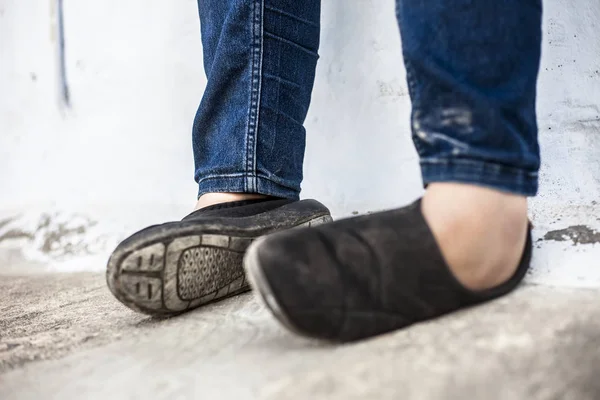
(120, 158)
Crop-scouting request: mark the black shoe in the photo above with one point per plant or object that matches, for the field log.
(174, 267)
(362, 276)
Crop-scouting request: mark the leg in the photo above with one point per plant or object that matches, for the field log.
(473, 86)
(472, 68)
(260, 58)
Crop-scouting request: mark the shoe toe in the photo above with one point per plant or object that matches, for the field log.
(303, 280)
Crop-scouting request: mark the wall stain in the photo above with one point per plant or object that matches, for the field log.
(391, 89)
(578, 234)
(15, 234)
(6, 221)
(53, 235)
(8, 346)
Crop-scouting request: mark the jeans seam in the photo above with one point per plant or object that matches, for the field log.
(480, 172)
(496, 167)
(291, 43)
(255, 95)
(410, 79)
(289, 15)
(281, 80)
(219, 176)
(241, 177)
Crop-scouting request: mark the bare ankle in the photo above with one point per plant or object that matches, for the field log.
(210, 199)
(481, 232)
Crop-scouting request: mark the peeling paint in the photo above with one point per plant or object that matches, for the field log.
(578, 234)
(53, 235)
(6, 221)
(15, 234)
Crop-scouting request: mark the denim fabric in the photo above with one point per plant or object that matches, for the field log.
(471, 68)
(260, 58)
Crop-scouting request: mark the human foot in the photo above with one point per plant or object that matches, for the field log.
(174, 267)
(210, 199)
(368, 275)
(481, 232)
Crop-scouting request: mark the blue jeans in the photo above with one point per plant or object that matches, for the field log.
(471, 67)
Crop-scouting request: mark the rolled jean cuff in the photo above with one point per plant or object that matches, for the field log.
(239, 184)
(480, 173)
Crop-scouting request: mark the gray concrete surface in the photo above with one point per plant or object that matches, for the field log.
(64, 337)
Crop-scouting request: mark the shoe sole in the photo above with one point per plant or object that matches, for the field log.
(170, 269)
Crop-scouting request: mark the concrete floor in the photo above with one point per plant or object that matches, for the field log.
(63, 336)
